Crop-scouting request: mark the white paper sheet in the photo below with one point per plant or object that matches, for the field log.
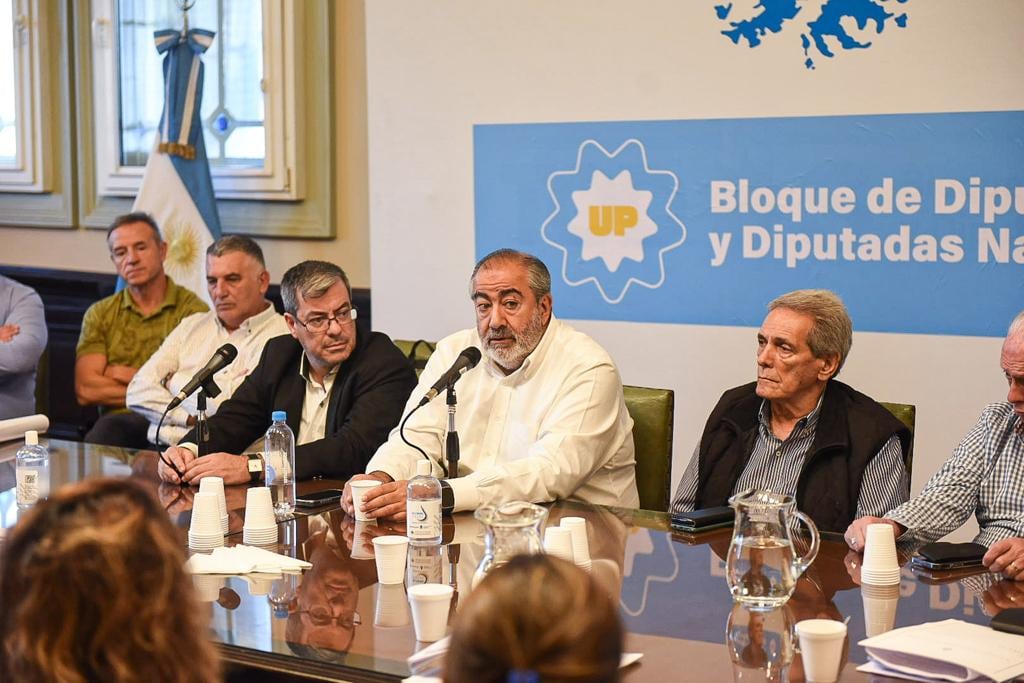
(949, 650)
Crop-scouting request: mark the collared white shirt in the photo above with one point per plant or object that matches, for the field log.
(555, 428)
(313, 423)
(187, 349)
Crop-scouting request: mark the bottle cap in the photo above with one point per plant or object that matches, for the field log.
(279, 416)
(424, 468)
(31, 438)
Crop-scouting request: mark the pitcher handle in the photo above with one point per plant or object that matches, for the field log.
(801, 564)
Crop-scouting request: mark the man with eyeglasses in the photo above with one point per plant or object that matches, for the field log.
(342, 386)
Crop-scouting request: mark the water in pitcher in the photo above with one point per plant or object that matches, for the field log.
(760, 572)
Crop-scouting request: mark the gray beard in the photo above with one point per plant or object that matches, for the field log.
(526, 341)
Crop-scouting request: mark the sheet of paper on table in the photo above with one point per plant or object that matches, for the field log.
(949, 650)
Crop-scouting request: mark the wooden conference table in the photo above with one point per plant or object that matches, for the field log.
(336, 623)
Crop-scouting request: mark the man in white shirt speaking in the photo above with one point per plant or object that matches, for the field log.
(237, 279)
(542, 417)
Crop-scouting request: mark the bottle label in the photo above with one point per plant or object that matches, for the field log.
(27, 486)
(423, 519)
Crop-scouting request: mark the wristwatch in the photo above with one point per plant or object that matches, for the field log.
(255, 467)
(447, 498)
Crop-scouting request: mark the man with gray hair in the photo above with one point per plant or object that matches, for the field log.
(237, 281)
(797, 430)
(341, 385)
(984, 477)
(542, 418)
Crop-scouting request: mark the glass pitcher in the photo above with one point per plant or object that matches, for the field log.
(762, 567)
(511, 529)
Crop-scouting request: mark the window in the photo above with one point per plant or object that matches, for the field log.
(21, 142)
(248, 108)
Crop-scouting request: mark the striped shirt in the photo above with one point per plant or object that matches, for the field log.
(983, 477)
(775, 465)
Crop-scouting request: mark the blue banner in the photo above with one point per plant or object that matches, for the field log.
(915, 220)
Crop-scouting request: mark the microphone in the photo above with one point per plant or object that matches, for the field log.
(221, 358)
(466, 361)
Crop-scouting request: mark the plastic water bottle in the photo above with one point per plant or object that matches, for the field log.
(279, 455)
(32, 471)
(423, 506)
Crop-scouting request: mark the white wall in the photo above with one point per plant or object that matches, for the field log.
(436, 69)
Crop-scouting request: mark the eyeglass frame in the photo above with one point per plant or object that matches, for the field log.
(328, 618)
(344, 320)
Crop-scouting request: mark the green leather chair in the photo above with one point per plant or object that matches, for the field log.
(652, 412)
(416, 351)
(907, 414)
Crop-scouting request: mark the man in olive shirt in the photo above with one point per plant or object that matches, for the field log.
(120, 332)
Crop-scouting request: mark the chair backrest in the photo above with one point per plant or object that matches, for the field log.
(416, 351)
(907, 414)
(652, 412)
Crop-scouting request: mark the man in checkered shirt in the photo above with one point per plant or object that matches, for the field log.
(984, 477)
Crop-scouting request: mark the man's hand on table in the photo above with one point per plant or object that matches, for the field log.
(858, 529)
(180, 458)
(233, 469)
(367, 532)
(1006, 557)
(386, 501)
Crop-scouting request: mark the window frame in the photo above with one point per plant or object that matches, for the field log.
(29, 172)
(278, 180)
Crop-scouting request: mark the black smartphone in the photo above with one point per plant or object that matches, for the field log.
(1010, 620)
(317, 498)
(702, 520)
(943, 556)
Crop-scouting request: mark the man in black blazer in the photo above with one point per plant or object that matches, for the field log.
(342, 386)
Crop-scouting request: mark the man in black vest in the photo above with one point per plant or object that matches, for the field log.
(341, 385)
(797, 430)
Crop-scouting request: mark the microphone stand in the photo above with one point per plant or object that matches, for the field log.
(451, 446)
(208, 388)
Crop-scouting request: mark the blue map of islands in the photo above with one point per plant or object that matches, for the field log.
(823, 31)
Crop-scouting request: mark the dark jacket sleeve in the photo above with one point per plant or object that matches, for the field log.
(366, 407)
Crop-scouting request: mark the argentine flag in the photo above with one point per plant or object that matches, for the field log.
(176, 187)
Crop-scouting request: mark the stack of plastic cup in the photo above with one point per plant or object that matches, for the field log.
(392, 607)
(558, 542)
(879, 608)
(204, 533)
(358, 488)
(260, 526)
(430, 603)
(881, 566)
(390, 553)
(580, 544)
(216, 485)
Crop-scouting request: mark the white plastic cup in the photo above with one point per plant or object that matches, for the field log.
(430, 604)
(392, 607)
(359, 487)
(259, 508)
(580, 543)
(558, 542)
(881, 565)
(821, 647)
(207, 586)
(215, 485)
(390, 553)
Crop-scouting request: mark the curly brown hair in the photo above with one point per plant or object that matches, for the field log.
(94, 589)
(541, 617)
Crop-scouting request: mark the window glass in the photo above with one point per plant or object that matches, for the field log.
(8, 102)
(232, 113)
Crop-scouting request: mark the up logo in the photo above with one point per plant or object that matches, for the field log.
(613, 220)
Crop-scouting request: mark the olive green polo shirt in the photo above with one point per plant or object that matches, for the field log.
(115, 326)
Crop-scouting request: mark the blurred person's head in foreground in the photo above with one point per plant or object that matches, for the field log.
(94, 589)
(536, 619)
